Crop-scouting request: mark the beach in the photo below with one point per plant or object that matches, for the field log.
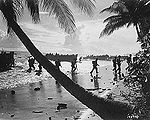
(41, 104)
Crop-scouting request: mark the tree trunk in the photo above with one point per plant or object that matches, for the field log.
(106, 109)
(137, 30)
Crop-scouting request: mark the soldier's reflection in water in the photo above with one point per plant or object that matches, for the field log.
(95, 79)
(58, 88)
(74, 77)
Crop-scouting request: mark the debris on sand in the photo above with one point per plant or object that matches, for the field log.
(49, 98)
(37, 88)
(37, 111)
(50, 118)
(12, 115)
(61, 106)
(13, 92)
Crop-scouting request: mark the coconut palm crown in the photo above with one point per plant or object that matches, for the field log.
(127, 13)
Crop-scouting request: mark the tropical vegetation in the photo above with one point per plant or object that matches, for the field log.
(124, 14)
(127, 13)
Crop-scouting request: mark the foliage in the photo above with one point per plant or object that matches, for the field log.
(57, 8)
(127, 13)
(136, 13)
(138, 80)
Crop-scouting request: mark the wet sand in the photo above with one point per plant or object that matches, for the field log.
(28, 104)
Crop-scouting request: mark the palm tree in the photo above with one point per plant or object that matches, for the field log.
(136, 13)
(11, 8)
(127, 13)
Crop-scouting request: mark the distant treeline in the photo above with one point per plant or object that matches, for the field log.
(68, 58)
(103, 57)
(6, 60)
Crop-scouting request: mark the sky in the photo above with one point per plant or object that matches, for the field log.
(49, 38)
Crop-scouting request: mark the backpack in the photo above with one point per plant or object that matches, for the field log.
(94, 63)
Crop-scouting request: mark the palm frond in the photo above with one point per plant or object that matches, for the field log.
(116, 7)
(146, 9)
(87, 6)
(109, 9)
(14, 10)
(18, 7)
(33, 7)
(113, 25)
(130, 5)
(112, 18)
(61, 11)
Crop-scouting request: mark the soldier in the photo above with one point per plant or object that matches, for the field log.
(129, 59)
(31, 63)
(73, 65)
(119, 65)
(58, 64)
(94, 66)
(115, 64)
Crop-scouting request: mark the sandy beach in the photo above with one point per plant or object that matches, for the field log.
(30, 104)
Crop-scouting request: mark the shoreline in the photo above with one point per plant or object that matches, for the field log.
(113, 90)
(46, 99)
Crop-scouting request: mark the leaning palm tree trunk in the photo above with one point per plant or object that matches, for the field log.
(106, 109)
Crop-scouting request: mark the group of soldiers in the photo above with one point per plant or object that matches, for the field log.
(117, 65)
(73, 65)
(31, 62)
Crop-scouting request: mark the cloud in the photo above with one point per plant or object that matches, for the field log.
(73, 39)
(10, 42)
(122, 41)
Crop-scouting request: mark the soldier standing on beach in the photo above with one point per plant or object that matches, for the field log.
(119, 65)
(40, 67)
(115, 64)
(129, 59)
(58, 64)
(73, 65)
(94, 66)
(31, 63)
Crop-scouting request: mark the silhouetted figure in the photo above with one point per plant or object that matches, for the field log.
(74, 77)
(40, 67)
(12, 60)
(115, 64)
(135, 59)
(73, 65)
(96, 84)
(13, 92)
(57, 64)
(129, 59)
(39, 71)
(119, 65)
(31, 61)
(58, 88)
(94, 66)
(115, 67)
(80, 59)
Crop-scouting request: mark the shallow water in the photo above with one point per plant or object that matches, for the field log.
(26, 99)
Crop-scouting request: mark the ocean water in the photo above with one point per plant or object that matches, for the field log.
(19, 75)
(85, 66)
(26, 100)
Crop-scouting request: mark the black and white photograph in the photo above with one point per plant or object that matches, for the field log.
(74, 60)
